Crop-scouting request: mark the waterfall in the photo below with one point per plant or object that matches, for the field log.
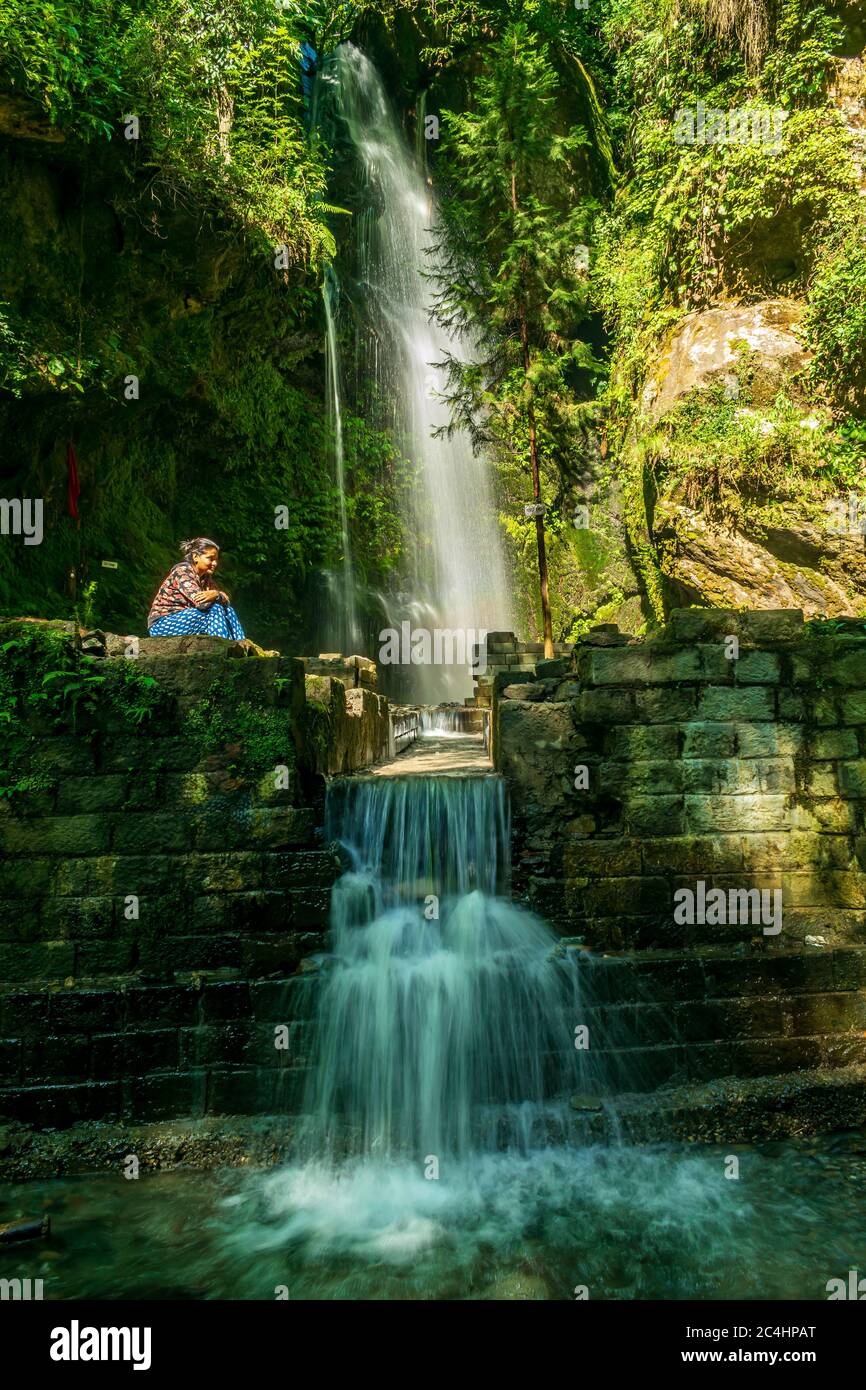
(455, 721)
(452, 834)
(446, 1019)
(346, 637)
(457, 559)
(437, 1120)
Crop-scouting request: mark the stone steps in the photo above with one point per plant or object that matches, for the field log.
(659, 1018)
(736, 1110)
(141, 1051)
(680, 976)
(138, 1052)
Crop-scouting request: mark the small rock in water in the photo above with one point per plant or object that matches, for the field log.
(519, 1286)
(579, 1102)
(14, 1231)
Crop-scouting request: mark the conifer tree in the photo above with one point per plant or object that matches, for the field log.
(511, 276)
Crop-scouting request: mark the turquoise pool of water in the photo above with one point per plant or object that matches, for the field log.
(624, 1223)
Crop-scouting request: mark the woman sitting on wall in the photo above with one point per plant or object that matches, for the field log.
(186, 601)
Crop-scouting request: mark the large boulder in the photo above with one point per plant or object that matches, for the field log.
(704, 351)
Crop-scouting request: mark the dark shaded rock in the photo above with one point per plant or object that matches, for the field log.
(604, 635)
(554, 667)
(529, 690)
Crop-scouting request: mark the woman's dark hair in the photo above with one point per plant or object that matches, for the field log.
(197, 547)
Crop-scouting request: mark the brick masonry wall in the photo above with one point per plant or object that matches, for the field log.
(158, 906)
(746, 772)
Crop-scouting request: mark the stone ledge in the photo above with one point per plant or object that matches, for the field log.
(739, 1110)
(731, 1110)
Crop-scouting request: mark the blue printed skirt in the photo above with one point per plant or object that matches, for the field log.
(220, 620)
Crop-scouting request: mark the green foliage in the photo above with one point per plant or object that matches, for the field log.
(806, 38)
(64, 54)
(217, 96)
(25, 364)
(226, 346)
(746, 467)
(747, 22)
(698, 224)
(718, 215)
(322, 23)
(381, 482)
(223, 723)
(835, 321)
(221, 105)
(183, 291)
(517, 211)
(698, 220)
(48, 685)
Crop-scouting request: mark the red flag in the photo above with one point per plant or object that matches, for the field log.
(73, 486)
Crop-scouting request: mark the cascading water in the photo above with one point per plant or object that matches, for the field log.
(346, 636)
(457, 553)
(444, 1020)
(452, 722)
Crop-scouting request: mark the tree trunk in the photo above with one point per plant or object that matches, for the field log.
(546, 622)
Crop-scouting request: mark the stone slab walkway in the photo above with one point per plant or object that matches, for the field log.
(435, 756)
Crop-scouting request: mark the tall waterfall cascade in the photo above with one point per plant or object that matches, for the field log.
(457, 575)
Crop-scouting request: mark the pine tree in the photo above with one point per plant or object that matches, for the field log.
(509, 274)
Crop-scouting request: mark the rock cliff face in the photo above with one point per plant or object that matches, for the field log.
(789, 556)
(746, 486)
(135, 330)
(796, 565)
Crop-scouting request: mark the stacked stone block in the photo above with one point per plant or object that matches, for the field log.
(353, 671)
(137, 1051)
(745, 772)
(158, 907)
(354, 725)
(507, 659)
(661, 1018)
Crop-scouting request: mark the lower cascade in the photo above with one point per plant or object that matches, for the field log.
(445, 1019)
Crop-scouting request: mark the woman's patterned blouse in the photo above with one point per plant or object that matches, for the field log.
(179, 589)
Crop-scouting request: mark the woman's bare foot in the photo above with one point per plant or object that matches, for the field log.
(252, 649)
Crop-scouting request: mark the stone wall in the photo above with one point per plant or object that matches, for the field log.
(160, 901)
(351, 670)
(503, 655)
(351, 727)
(744, 771)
